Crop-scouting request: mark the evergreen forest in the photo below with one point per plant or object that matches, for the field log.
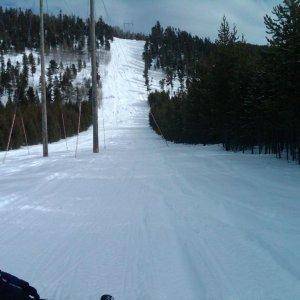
(243, 96)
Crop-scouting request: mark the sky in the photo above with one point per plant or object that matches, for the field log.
(201, 17)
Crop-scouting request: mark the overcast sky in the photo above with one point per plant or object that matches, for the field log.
(201, 17)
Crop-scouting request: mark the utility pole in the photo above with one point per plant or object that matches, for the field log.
(43, 82)
(94, 78)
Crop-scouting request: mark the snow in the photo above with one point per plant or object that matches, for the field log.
(142, 220)
(156, 75)
(66, 57)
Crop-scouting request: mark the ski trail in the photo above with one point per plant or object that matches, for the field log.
(145, 221)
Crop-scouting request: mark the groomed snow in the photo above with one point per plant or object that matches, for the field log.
(145, 221)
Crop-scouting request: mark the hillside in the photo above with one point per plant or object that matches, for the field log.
(145, 221)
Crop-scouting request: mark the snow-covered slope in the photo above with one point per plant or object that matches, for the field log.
(145, 221)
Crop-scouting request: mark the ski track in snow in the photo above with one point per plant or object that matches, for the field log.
(144, 221)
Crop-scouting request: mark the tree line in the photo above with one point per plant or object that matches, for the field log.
(19, 29)
(174, 51)
(20, 80)
(21, 98)
(243, 96)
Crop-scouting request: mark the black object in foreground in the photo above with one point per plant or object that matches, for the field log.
(13, 288)
(107, 297)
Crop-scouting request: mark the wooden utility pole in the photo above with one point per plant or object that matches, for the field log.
(43, 82)
(94, 78)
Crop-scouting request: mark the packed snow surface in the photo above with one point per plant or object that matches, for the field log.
(144, 221)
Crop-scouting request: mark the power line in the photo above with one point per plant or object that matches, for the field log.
(106, 11)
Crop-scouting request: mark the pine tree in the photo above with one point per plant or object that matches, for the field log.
(32, 63)
(283, 66)
(53, 67)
